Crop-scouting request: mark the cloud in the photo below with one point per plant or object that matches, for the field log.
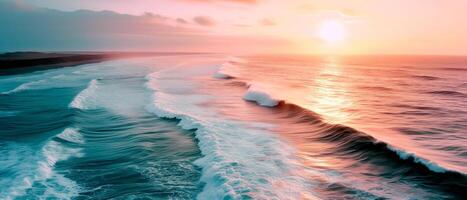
(181, 21)
(48, 29)
(204, 21)
(155, 16)
(27, 28)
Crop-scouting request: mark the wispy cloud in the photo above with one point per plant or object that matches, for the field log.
(181, 21)
(204, 21)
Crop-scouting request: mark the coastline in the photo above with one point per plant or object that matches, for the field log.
(25, 62)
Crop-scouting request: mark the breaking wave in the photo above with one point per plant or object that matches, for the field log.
(86, 97)
(40, 169)
(239, 160)
(259, 94)
(256, 93)
(221, 73)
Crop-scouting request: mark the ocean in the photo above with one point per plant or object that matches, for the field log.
(212, 126)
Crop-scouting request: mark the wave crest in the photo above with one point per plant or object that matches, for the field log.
(85, 99)
(239, 160)
(40, 169)
(24, 86)
(257, 93)
(260, 95)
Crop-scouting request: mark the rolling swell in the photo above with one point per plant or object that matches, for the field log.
(125, 158)
(364, 148)
(29, 119)
(350, 141)
(32, 140)
(360, 146)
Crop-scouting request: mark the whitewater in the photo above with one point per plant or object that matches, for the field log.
(208, 126)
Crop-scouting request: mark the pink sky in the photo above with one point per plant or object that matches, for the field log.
(371, 26)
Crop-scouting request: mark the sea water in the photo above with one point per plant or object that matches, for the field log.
(222, 127)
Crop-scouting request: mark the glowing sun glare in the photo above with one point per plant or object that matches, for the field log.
(332, 31)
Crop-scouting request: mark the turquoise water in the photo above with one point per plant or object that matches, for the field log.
(84, 132)
(219, 127)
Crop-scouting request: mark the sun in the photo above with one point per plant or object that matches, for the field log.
(332, 31)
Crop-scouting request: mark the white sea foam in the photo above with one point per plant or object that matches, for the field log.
(11, 159)
(40, 169)
(239, 159)
(71, 135)
(407, 155)
(85, 99)
(53, 152)
(224, 71)
(24, 86)
(257, 93)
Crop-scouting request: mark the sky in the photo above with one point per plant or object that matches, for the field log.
(237, 26)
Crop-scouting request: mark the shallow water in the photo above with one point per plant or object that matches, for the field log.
(213, 127)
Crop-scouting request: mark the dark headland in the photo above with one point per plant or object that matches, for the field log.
(23, 62)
